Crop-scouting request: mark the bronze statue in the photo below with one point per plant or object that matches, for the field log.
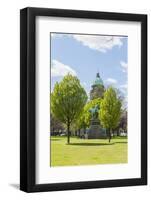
(94, 112)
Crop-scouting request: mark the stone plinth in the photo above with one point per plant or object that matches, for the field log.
(95, 131)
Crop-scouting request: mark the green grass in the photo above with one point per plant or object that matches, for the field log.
(87, 151)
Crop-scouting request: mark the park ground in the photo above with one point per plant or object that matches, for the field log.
(87, 151)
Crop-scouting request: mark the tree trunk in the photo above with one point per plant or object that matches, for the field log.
(79, 132)
(68, 133)
(109, 135)
(118, 132)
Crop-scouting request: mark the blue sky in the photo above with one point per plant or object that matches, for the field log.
(85, 55)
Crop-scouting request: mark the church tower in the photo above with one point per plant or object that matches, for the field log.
(97, 90)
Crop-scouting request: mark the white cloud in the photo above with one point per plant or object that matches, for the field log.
(125, 102)
(124, 66)
(58, 35)
(96, 42)
(111, 81)
(123, 88)
(53, 34)
(59, 69)
(84, 84)
(99, 43)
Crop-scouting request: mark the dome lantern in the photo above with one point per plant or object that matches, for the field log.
(98, 80)
(97, 88)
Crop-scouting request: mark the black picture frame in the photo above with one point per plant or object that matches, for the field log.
(28, 99)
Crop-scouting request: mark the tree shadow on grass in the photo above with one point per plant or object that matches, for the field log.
(96, 144)
(119, 137)
(91, 144)
(121, 142)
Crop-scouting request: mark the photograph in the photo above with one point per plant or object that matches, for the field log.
(88, 99)
(83, 99)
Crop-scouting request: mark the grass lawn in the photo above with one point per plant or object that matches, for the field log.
(87, 151)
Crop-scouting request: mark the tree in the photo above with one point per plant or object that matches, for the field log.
(110, 111)
(67, 101)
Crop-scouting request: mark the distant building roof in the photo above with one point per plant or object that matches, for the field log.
(98, 80)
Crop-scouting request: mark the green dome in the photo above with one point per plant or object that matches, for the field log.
(98, 80)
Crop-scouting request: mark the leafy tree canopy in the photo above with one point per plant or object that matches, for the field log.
(67, 100)
(110, 109)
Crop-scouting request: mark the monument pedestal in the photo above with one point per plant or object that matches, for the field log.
(95, 131)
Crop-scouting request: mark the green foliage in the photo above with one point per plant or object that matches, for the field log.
(67, 100)
(110, 111)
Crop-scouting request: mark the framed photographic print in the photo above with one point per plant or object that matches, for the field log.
(83, 99)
